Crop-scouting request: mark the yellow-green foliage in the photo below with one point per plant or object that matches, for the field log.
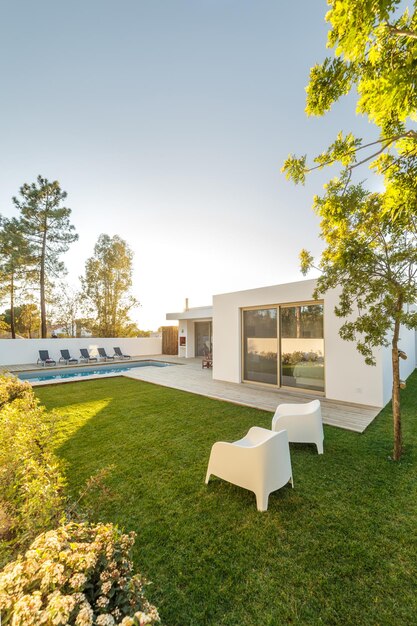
(12, 388)
(30, 479)
(78, 574)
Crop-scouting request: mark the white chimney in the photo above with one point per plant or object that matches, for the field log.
(186, 304)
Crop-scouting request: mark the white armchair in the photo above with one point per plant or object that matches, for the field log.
(260, 462)
(302, 422)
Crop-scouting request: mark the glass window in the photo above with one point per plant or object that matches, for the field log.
(302, 321)
(302, 347)
(203, 346)
(260, 339)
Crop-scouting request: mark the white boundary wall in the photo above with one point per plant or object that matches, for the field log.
(26, 351)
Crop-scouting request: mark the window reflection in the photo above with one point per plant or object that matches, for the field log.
(203, 342)
(260, 345)
(302, 321)
(302, 347)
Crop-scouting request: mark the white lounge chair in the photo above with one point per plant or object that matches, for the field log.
(302, 422)
(259, 462)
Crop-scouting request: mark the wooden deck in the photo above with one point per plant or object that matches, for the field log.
(189, 376)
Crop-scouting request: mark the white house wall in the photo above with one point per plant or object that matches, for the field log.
(347, 377)
(407, 343)
(186, 329)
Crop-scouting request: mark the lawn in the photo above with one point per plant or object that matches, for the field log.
(341, 548)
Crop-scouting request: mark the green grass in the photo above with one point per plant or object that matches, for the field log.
(341, 548)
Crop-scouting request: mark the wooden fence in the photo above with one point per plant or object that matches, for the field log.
(170, 340)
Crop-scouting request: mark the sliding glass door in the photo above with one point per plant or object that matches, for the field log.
(260, 345)
(203, 341)
(302, 347)
(284, 345)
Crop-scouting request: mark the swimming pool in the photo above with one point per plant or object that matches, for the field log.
(56, 375)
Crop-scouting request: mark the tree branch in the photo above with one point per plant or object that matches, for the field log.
(386, 142)
(402, 32)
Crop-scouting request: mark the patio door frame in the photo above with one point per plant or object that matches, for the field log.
(243, 347)
(279, 361)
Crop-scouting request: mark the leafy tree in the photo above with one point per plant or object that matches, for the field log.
(4, 327)
(47, 226)
(16, 262)
(373, 260)
(26, 317)
(143, 333)
(106, 286)
(66, 305)
(376, 58)
(29, 319)
(371, 238)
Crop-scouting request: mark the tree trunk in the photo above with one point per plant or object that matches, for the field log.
(12, 320)
(396, 406)
(42, 286)
(298, 320)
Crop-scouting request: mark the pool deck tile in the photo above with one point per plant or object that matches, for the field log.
(43, 369)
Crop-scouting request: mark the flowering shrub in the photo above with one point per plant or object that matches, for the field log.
(78, 574)
(12, 388)
(30, 478)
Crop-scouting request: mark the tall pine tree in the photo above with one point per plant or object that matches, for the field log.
(47, 226)
(16, 263)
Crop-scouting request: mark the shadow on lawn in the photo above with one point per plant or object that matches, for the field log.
(341, 537)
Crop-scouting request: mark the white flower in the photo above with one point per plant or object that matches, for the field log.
(143, 618)
(102, 602)
(85, 616)
(59, 608)
(77, 581)
(27, 609)
(105, 587)
(105, 620)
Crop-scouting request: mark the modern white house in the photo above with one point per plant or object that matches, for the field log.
(280, 337)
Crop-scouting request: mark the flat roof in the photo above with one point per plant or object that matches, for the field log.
(196, 313)
(290, 284)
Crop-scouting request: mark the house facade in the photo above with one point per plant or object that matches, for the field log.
(280, 337)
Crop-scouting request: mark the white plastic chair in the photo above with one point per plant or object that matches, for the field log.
(302, 422)
(259, 462)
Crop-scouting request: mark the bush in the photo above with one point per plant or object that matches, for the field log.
(78, 574)
(31, 482)
(12, 388)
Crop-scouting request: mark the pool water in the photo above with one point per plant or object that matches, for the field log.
(90, 370)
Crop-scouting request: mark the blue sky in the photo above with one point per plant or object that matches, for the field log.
(167, 122)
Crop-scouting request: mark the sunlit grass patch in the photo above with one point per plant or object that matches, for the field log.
(338, 549)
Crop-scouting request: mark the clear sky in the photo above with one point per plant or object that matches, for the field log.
(167, 122)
